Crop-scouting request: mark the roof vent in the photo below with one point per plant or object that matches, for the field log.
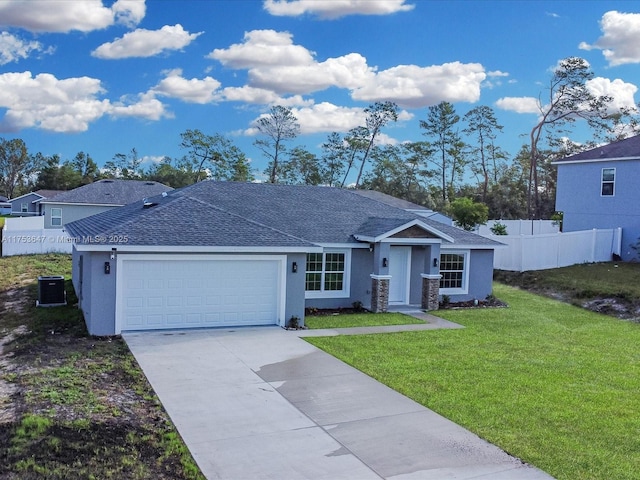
(106, 181)
(164, 194)
(147, 203)
(149, 183)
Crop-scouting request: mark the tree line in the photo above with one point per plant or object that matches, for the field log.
(458, 158)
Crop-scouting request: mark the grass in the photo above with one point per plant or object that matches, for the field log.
(550, 383)
(81, 407)
(358, 320)
(606, 279)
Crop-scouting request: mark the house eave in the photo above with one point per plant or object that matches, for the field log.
(82, 247)
(49, 202)
(594, 160)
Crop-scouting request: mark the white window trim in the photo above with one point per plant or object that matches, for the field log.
(602, 181)
(465, 273)
(346, 281)
(56, 216)
(24, 208)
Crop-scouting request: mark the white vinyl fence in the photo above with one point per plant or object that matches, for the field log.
(25, 235)
(521, 227)
(554, 250)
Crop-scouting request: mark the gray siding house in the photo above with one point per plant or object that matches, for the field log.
(599, 188)
(95, 198)
(232, 254)
(28, 205)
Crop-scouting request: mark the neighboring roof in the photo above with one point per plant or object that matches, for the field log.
(253, 214)
(41, 194)
(627, 149)
(389, 200)
(110, 192)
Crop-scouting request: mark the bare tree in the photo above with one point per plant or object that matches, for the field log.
(278, 126)
(569, 99)
(378, 115)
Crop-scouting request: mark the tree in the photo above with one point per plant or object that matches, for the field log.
(168, 174)
(467, 213)
(279, 126)
(355, 141)
(301, 168)
(125, 165)
(214, 157)
(569, 99)
(16, 166)
(56, 176)
(482, 124)
(333, 160)
(86, 167)
(440, 126)
(378, 115)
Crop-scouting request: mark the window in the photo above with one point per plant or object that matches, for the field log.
(327, 274)
(454, 271)
(24, 207)
(608, 182)
(56, 217)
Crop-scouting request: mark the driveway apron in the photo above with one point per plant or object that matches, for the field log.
(261, 403)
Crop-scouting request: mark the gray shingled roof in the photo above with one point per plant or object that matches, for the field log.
(627, 148)
(110, 192)
(254, 214)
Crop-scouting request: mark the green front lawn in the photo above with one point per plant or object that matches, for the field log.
(550, 383)
(358, 320)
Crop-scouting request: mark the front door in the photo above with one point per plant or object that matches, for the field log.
(399, 269)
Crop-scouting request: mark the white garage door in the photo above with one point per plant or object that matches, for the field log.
(190, 292)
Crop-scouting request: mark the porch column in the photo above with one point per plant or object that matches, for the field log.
(430, 291)
(380, 293)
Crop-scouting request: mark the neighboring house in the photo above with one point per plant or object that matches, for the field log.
(95, 198)
(232, 254)
(29, 204)
(599, 189)
(5, 206)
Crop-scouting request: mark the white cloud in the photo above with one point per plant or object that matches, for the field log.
(188, 90)
(332, 9)
(519, 104)
(620, 42)
(415, 87)
(146, 43)
(13, 48)
(276, 64)
(64, 105)
(621, 92)
(85, 15)
(263, 48)
(144, 105)
(261, 96)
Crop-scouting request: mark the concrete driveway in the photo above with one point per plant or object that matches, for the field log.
(261, 403)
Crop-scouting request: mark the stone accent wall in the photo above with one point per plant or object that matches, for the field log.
(430, 292)
(379, 295)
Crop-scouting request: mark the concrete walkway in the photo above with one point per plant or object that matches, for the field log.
(261, 403)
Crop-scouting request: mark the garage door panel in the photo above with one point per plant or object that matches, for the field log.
(167, 293)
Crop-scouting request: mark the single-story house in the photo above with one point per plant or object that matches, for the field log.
(95, 198)
(598, 188)
(233, 254)
(29, 203)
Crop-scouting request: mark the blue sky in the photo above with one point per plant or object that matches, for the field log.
(104, 77)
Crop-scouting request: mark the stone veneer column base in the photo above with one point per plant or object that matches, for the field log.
(380, 293)
(430, 291)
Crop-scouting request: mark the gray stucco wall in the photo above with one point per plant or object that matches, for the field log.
(480, 276)
(98, 291)
(361, 269)
(71, 213)
(295, 288)
(578, 196)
